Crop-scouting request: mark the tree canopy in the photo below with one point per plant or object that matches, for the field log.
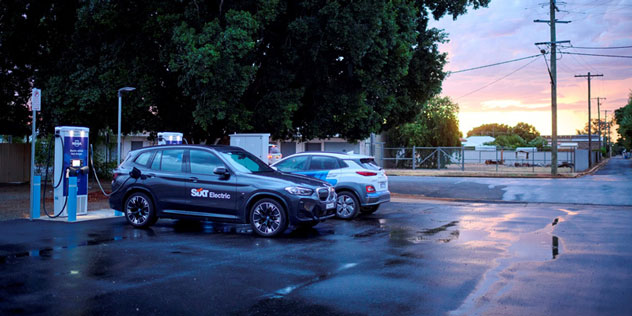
(623, 117)
(207, 68)
(436, 125)
(525, 131)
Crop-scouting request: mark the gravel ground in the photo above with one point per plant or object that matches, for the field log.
(15, 202)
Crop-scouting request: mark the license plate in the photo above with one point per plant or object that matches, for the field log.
(331, 205)
(382, 185)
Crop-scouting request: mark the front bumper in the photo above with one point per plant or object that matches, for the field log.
(309, 210)
(377, 198)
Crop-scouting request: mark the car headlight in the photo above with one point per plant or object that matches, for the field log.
(299, 191)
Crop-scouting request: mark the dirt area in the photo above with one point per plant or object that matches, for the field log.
(15, 202)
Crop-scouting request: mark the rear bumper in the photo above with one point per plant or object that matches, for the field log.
(377, 198)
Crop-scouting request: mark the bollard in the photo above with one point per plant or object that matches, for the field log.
(35, 206)
(72, 199)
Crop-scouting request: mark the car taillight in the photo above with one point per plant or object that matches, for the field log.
(370, 189)
(269, 156)
(366, 173)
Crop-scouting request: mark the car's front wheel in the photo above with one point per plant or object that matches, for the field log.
(268, 218)
(347, 205)
(139, 210)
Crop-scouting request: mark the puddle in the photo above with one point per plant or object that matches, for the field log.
(442, 234)
(541, 245)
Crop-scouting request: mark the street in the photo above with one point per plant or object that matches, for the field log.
(610, 185)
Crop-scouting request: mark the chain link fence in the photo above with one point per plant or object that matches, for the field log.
(490, 159)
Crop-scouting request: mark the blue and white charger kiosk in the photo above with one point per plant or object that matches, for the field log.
(71, 158)
(169, 138)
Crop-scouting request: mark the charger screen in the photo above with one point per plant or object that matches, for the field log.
(75, 163)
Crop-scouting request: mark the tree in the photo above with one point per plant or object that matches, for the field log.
(436, 125)
(623, 117)
(294, 68)
(493, 129)
(526, 131)
(594, 128)
(509, 141)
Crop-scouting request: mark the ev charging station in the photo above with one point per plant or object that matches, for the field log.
(169, 138)
(71, 159)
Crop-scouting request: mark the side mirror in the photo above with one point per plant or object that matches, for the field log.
(222, 171)
(135, 173)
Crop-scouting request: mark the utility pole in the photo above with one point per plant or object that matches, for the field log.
(589, 132)
(608, 137)
(599, 118)
(553, 74)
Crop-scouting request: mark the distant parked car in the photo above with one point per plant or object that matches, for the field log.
(361, 185)
(274, 154)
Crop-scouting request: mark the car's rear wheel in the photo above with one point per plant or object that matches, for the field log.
(369, 209)
(268, 218)
(139, 210)
(347, 205)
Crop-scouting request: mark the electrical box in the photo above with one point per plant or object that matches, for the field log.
(71, 158)
(169, 138)
(256, 144)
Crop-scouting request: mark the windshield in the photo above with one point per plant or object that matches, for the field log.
(244, 161)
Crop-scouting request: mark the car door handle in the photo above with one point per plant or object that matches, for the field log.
(193, 179)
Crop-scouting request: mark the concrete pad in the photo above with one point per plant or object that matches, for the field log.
(91, 216)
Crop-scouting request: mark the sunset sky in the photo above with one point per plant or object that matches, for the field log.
(505, 30)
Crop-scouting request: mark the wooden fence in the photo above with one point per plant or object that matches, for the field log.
(15, 161)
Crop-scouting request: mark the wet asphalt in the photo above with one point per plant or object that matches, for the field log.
(610, 185)
(412, 257)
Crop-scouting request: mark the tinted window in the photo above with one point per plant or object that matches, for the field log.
(172, 160)
(143, 158)
(369, 163)
(204, 162)
(273, 150)
(293, 164)
(156, 163)
(323, 163)
(243, 160)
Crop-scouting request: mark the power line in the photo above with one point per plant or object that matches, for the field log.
(491, 65)
(499, 79)
(598, 55)
(613, 47)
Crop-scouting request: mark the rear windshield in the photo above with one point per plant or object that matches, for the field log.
(368, 163)
(274, 150)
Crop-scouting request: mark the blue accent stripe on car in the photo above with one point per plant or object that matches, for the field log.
(320, 174)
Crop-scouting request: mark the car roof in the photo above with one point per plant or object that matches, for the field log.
(331, 154)
(220, 147)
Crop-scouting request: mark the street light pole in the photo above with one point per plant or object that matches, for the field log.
(118, 137)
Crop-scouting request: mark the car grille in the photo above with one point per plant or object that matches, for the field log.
(326, 194)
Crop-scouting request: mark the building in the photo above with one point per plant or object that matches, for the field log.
(578, 141)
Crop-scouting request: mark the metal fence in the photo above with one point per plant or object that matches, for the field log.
(468, 159)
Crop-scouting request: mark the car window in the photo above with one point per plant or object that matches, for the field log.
(273, 150)
(243, 160)
(293, 164)
(172, 160)
(369, 163)
(143, 158)
(323, 163)
(203, 162)
(155, 165)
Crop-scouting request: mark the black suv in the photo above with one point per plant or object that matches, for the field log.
(218, 183)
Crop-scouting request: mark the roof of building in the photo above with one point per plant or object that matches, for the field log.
(474, 141)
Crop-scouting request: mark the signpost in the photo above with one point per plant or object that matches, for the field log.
(36, 105)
